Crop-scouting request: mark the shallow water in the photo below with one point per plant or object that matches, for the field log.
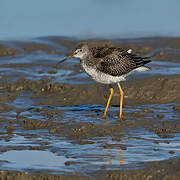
(64, 154)
(33, 159)
(39, 132)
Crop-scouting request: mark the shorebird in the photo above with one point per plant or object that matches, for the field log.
(109, 65)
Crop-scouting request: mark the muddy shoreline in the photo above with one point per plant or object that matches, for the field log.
(156, 170)
(42, 104)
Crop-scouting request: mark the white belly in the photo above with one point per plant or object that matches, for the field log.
(102, 77)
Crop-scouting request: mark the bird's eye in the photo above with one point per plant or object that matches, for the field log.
(80, 50)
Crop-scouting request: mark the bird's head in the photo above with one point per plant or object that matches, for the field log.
(80, 53)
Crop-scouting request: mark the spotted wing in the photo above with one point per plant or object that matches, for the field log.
(120, 62)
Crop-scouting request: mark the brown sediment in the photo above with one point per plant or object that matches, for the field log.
(176, 108)
(47, 99)
(160, 89)
(155, 170)
(169, 170)
(165, 49)
(7, 51)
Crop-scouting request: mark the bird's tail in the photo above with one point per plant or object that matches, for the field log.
(143, 68)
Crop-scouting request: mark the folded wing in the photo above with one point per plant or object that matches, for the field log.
(120, 62)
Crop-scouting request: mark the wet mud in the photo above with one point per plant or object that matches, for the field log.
(51, 116)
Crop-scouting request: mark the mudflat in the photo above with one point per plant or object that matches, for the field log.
(51, 115)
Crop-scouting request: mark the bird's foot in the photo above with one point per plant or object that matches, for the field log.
(104, 115)
(121, 118)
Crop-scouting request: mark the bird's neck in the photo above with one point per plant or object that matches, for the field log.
(88, 60)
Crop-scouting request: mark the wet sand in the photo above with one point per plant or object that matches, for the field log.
(43, 102)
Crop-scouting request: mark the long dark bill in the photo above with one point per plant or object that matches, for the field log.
(68, 57)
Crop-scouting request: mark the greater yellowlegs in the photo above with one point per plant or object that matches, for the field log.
(109, 65)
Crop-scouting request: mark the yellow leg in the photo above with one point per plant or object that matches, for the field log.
(121, 100)
(109, 100)
(121, 158)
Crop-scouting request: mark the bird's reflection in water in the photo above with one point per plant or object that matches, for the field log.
(121, 162)
(119, 155)
(110, 150)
